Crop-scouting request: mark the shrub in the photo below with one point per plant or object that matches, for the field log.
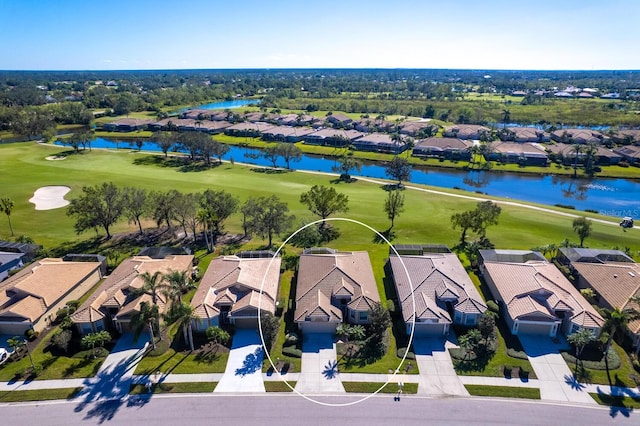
(217, 335)
(73, 306)
(292, 351)
(516, 354)
(31, 334)
(61, 339)
(290, 339)
(401, 351)
(391, 306)
(493, 306)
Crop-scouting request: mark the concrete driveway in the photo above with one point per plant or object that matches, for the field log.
(554, 376)
(437, 376)
(319, 373)
(244, 367)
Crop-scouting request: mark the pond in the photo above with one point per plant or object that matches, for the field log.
(612, 197)
(236, 103)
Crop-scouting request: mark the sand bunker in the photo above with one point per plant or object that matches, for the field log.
(50, 197)
(56, 157)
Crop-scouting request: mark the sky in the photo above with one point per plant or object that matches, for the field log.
(466, 34)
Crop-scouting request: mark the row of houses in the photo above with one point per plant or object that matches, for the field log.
(433, 290)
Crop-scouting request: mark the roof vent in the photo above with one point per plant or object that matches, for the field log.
(632, 274)
(615, 275)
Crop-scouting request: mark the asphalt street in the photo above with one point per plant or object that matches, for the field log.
(279, 409)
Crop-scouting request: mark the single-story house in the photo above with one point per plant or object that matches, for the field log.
(286, 134)
(467, 131)
(297, 120)
(631, 153)
(413, 128)
(581, 136)
(442, 291)
(523, 134)
(260, 116)
(626, 137)
(248, 129)
(31, 298)
(333, 287)
(370, 125)
(197, 114)
(117, 300)
(530, 154)
(127, 125)
(339, 120)
(8, 262)
(534, 296)
(449, 148)
(611, 274)
(235, 289)
(380, 142)
(332, 137)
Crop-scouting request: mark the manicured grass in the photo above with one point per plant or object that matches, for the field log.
(279, 386)
(183, 363)
(503, 391)
(616, 401)
(389, 362)
(38, 395)
(370, 387)
(617, 377)
(186, 387)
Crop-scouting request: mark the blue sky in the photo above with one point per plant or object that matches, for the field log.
(476, 34)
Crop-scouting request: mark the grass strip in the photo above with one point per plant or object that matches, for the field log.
(279, 386)
(503, 391)
(371, 387)
(39, 394)
(186, 387)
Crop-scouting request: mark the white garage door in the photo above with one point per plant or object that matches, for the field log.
(428, 329)
(535, 328)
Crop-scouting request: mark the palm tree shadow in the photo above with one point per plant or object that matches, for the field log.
(389, 234)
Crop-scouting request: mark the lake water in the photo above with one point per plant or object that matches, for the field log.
(236, 103)
(612, 197)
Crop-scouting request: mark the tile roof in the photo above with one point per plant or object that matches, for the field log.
(615, 282)
(30, 308)
(438, 277)
(443, 144)
(319, 274)
(535, 286)
(229, 279)
(115, 291)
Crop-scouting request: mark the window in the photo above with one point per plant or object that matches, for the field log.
(470, 319)
(574, 328)
(363, 316)
(99, 326)
(352, 315)
(86, 328)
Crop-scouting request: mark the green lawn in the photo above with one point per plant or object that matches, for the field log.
(183, 363)
(279, 386)
(618, 377)
(616, 401)
(186, 387)
(371, 387)
(38, 395)
(503, 391)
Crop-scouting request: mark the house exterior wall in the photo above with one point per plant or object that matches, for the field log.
(427, 329)
(317, 327)
(17, 328)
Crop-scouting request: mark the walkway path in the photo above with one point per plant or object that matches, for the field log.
(244, 367)
(554, 376)
(437, 376)
(319, 372)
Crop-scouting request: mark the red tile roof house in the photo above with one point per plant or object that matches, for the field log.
(466, 131)
(251, 130)
(611, 274)
(332, 137)
(286, 134)
(449, 148)
(333, 287)
(534, 296)
(31, 298)
(441, 289)
(529, 154)
(581, 136)
(113, 304)
(232, 291)
(380, 142)
(126, 125)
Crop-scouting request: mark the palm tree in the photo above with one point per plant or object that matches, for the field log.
(617, 320)
(148, 316)
(577, 149)
(178, 283)
(183, 314)
(153, 285)
(6, 205)
(506, 116)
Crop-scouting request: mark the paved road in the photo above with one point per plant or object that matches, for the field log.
(283, 410)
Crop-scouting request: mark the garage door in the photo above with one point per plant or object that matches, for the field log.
(423, 329)
(535, 328)
(319, 327)
(246, 323)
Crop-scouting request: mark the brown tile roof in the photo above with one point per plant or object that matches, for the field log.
(519, 148)
(434, 276)
(230, 279)
(616, 283)
(443, 143)
(30, 308)
(336, 133)
(541, 285)
(115, 291)
(320, 274)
